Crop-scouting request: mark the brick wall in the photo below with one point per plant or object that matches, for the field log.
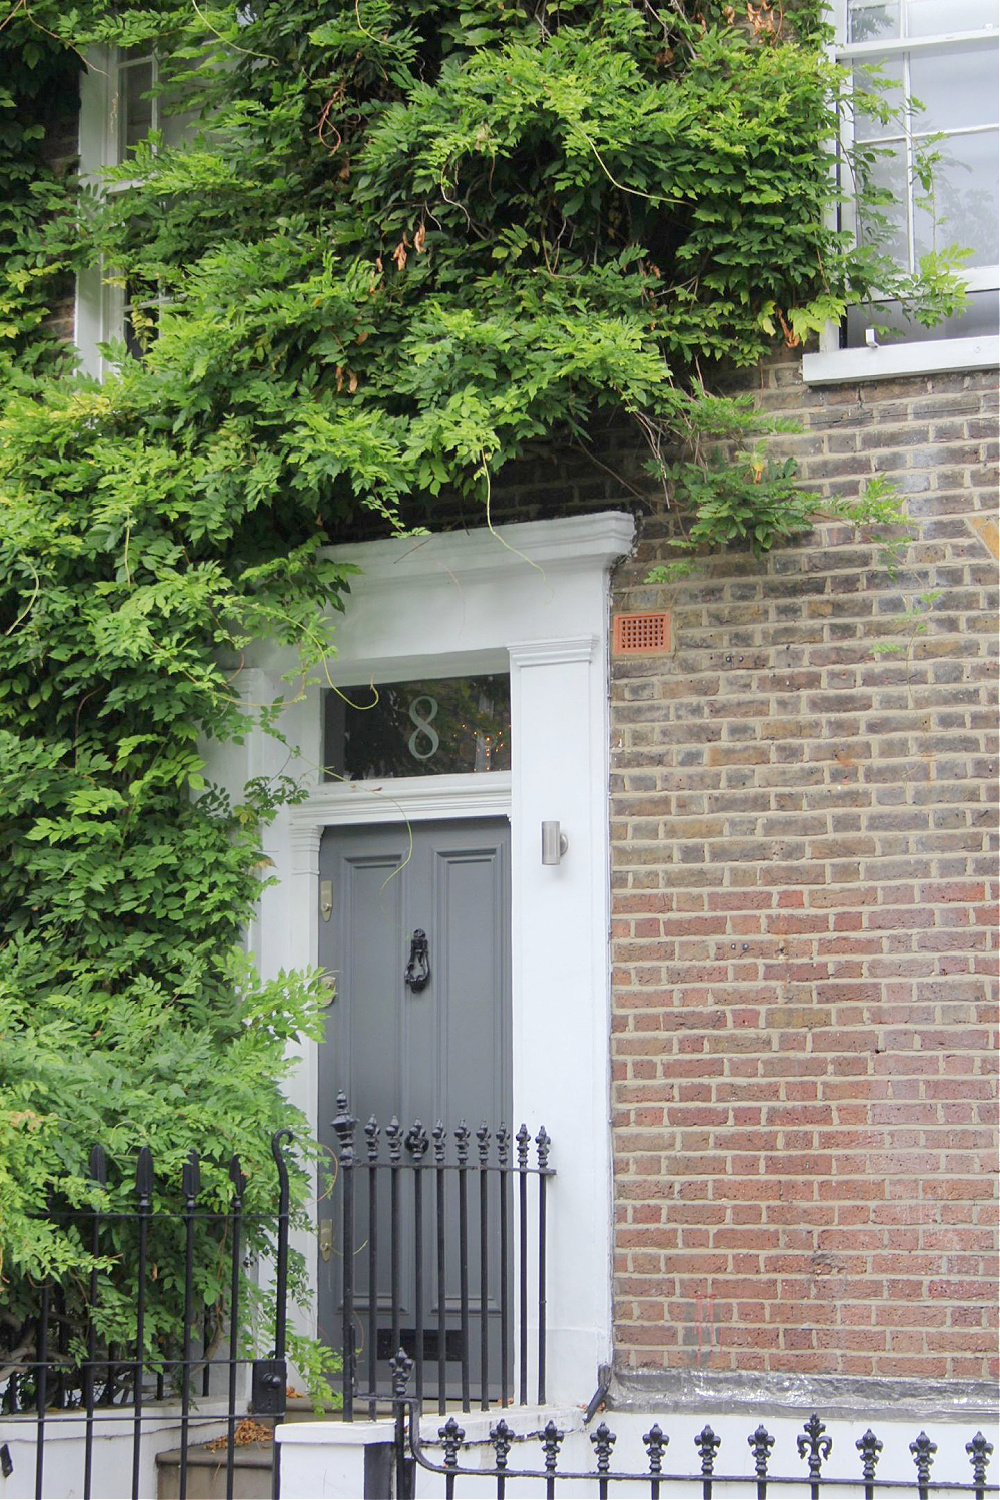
(804, 924)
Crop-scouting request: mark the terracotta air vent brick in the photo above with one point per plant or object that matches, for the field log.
(646, 634)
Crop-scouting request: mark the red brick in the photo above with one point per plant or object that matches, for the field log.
(821, 1043)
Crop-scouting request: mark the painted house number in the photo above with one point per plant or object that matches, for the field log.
(424, 733)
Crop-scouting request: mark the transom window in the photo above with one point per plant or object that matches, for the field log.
(434, 727)
(943, 57)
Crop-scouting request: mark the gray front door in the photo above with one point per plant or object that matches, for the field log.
(441, 1052)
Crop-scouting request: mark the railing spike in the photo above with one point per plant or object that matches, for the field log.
(416, 1141)
(394, 1135)
(603, 1440)
(923, 1450)
(813, 1445)
(343, 1125)
(191, 1179)
(372, 1133)
(869, 1446)
(655, 1442)
(552, 1439)
(401, 1366)
(760, 1443)
(452, 1437)
(544, 1143)
(462, 1138)
(483, 1137)
(523, 1141)
(144, 1177)
(439, 1135)
(503, 1145)
(237, 1178)
(707, 1443)
(502, 1438)
(979, 1450)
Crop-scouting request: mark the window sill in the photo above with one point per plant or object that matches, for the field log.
(838, 366)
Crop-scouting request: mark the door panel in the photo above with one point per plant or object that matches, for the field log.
(440, 1053)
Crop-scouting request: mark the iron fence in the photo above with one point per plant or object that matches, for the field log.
(63, 1370)
(467, 1226)
(814, 1446)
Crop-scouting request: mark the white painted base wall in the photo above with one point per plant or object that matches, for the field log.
(62, 1472)
(327, 1459)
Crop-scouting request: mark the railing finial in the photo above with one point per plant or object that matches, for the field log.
(708, 1444)
(923, 1451)
(812, 1444)
(416, 1141)
(502, 1438)
(869, 1446)
(401, 1366)
(344, 1124)
(760, 1443)
(452, 1437)
(979, 1450)
(603, 1440)
(655, 1442)
(551, 1441)
(372, 1133)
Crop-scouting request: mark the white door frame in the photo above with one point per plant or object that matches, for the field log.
(532, 598)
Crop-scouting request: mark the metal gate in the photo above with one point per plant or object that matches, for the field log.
(468, 1214)
(183, 1372)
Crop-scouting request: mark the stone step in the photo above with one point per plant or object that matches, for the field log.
(206, 1476)
(206, 1473)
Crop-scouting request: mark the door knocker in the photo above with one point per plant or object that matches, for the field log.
(418, 970)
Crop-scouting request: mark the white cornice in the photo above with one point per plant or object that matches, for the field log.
(597, 540)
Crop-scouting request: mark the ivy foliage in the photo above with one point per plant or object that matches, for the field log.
(405, 241)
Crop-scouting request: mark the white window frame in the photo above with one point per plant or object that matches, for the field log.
(836, 365)
(99, 305)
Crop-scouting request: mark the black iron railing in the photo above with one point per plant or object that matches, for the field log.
(466, 1230)
(114, 1382)
(814, 1446)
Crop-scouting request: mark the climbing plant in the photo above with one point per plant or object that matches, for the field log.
(401, 243)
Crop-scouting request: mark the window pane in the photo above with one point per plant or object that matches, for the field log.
(966, 199)
(868, 22)
(890, 174)
(956, 86)
(869, 84)
(135, 111)
(979, 319)
(429, 728)
(931, 17)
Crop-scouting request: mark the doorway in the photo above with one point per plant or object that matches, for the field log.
(415, 936)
